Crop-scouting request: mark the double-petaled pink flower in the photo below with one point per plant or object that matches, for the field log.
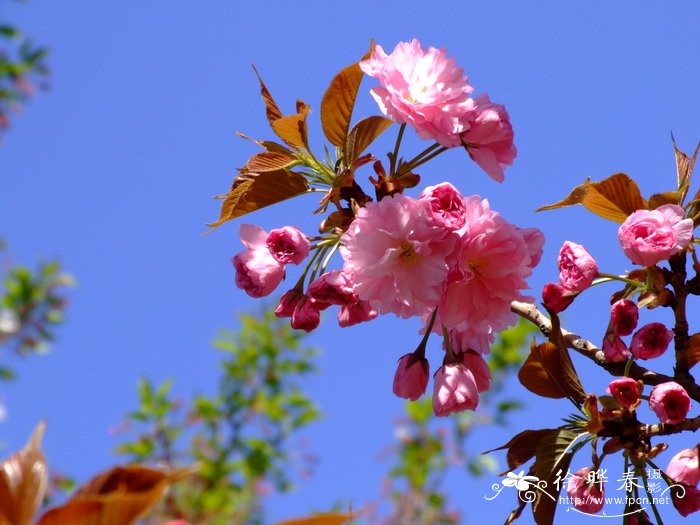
(626, 390)
(624, 315)
(650, 236)
(445, 205)
(489, 137)
(651, 341)
(422, 88)
(577, 268)
(257, 271)
(670, 402)
(684, 467)
(288, 245)
(454, 390)
(585, 491)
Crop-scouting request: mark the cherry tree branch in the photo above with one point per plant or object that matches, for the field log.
(531, 313)
(664, 429)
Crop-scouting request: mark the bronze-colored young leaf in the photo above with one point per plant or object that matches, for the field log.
(271, 109)
(553, 458)
(574, 388)
(267, 144)
(292, 129)
(338, 102)
(321, 519)
(23, 479)
(614, 198)
(119, 496)
(693, 353)
(544, 373)
(363, 134)
(684, 167)
(521, 448)
(667, 197)
(252, 191)
(270, 161)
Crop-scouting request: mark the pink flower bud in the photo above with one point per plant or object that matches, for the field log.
(585, 491)
(640, 517)
(288, 302)
(257, 273)
(305, 316)
(556, 297)
(577, 268)
(479, 369)
(686, 499)
(651, 341)
(615, 350)
(359, 312)
(626, 390)
(411, 377)
(445, 205)
(331, 288)
(670, 402)
(489, 139)
(454, 390)
(684, 467)
(624, 315)
(650, 236)
(288, 245)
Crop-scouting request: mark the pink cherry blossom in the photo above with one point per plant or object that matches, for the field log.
(626, 390)
(615, 350)
(305, 316)
(479, 369)
(670, 402)
(288, 303)
(651, 236)
(651, 341)
(686, 499)
(494, 260)
(411, 377)
(397, 256)
(577, 268)
(454, 390)
(489, 137)
(257, 272)
(586, 492)
(333, 287)
(422, 88)
(358, 312)
(288, 245)
(445, 205)
(557, 297)
(684, 467)
(624, 315)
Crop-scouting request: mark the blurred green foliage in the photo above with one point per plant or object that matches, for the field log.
(239, 438)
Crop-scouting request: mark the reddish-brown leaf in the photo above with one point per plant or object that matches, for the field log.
(23, 478)
(252, 191)
(119, 496)
(684, 166)
(338, 102)
(362, 135)
(521, 448)
(270, 161)
(693, 352)
(292, 129)
(667, 197)
(271, 109)
(544, 373)
(553, 458)
(321, 519)
(614, 198)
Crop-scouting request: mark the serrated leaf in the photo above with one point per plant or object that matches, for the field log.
(614, 198)
(252, 191)
(684, 166)
(119, 496)
(338, 102)
(321, 519)
(272, 111)
(292, 129)
(270, 161)
(23, 480)
(362, 135)
(522, 447)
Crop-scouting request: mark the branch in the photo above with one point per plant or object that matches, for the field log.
(531, 313)
(662, 429)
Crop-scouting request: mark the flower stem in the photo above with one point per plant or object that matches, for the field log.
(612, 277)
(395, 156)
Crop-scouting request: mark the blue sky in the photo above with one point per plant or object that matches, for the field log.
(112, 171)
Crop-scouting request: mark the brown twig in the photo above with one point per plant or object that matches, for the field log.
(662, 429)
(681, 339)
(531, 313)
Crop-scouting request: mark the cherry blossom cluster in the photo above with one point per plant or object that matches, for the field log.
(446, 259)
